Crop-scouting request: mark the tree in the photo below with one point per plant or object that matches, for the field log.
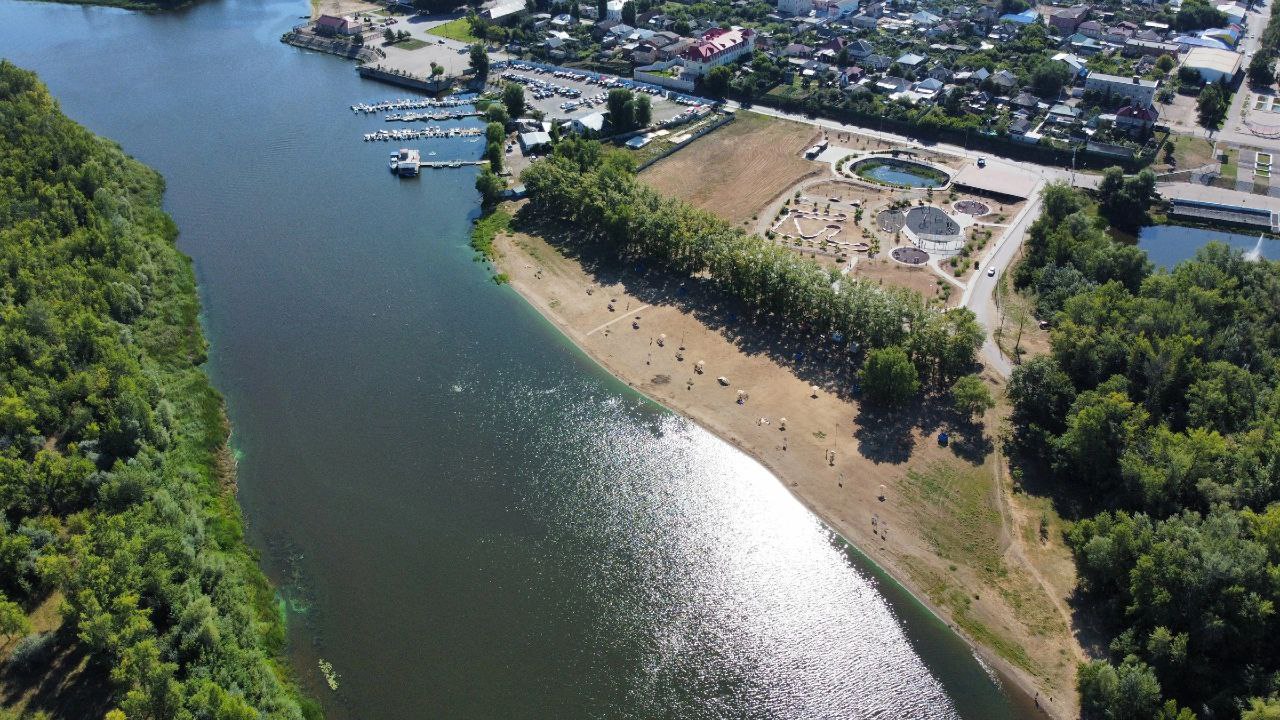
(620, 109)
(1212, 106)
(602, 9)
(497, 113)
(629, 13)
(13, 621)
(495, 132)
(490, 186)
(1125, 201)
(1049, 78)
(716, 81)
(479, 61)
(1261, 67)
(1129, 692)
(513, 99)
(971, 396)
(493, 153)
(388, 36)
(888, 377)
(1165, 63)
(642, 113)
(1260, 709)
(1198, 15)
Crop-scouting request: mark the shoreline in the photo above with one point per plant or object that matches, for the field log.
(515, 259)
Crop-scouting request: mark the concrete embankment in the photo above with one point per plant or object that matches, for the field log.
(308, 41)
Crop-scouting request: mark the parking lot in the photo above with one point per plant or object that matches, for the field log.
(567, 94)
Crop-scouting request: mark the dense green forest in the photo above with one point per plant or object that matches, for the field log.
(596, 193)
(116, 485)
(1157, 419)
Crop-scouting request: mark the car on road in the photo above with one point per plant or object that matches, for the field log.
(982, 162)
(991, 272)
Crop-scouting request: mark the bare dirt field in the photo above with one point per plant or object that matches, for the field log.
(752, 160)
(338, 8)
(947, 527)
(884, 271)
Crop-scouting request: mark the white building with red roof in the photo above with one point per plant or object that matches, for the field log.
(718, 46)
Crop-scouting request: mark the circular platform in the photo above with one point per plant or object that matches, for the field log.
(972, 208)
(909, 255)
(891, 221)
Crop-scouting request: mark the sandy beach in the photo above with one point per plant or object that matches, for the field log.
(883, 481)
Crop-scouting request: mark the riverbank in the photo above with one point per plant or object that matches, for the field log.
(923, 512)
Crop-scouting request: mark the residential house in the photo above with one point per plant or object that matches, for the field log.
(1090, 28)
(941, 72)
(1004, 80)
(910, 60)
(1117, 35)
(592, 123)
(1077, 64)
(1067, 20)
(928, 88)
(891, 85)
(1084, 45)
(1025, 101)
(924, 18)
(865, 21)
(1137, 121)
(1150, 48)
(859, 49)
(1064, 115)
(851, 75)
(1135, 90)
(1026, 17)
(876, 62)
(797, 50)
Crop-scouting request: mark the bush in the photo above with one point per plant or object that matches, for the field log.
(31, 652)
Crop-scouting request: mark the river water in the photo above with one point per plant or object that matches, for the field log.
(465, 516)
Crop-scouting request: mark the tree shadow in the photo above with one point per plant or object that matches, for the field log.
(64, 681)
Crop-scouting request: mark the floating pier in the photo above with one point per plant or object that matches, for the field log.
(430, 117)
(408, 104)
(422, 133)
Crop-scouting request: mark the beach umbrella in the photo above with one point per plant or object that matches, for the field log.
(782, 423)
(883, 489)
(700, 366)
(662, 339)
(813, 390)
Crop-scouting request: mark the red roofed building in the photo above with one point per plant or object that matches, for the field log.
(330, 25)
(1137, 120)
(718, 46)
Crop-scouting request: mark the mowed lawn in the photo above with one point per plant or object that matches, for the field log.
(459, 30)
(736, 170)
